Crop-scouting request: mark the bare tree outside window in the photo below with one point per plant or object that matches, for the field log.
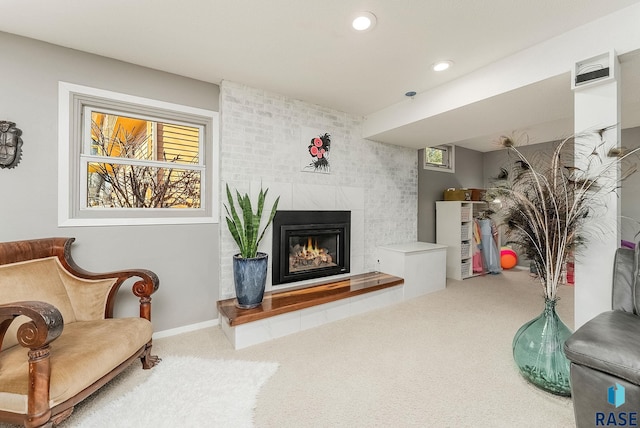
(137, 163)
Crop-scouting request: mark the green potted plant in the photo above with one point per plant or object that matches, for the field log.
(547, 200)
(249, 265)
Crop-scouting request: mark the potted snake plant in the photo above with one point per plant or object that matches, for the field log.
(249, 265)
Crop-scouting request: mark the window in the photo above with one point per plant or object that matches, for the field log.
(440, 158)
(131, 160)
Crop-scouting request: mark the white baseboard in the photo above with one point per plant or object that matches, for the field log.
(185, 329)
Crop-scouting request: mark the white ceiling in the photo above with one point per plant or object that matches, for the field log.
(305, 49)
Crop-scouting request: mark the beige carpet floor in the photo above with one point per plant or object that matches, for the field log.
(440, 360)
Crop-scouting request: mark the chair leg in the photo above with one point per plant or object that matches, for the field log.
(149, 361)
(61, 417)
(38, 410)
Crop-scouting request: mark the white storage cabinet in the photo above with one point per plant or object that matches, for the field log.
(421, 264)
(454, 228)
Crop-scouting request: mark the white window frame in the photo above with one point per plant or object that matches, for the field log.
(449, 151)
(74, 103)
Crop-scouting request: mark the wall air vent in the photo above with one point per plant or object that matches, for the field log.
(592, 75)
(596, 69)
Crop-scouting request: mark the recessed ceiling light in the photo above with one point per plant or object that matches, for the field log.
(410, 94)
(363, 21)
(442, 65)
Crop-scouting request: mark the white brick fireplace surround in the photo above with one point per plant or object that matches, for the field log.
(261, 139)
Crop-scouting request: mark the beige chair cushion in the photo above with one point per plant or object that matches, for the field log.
(47, 281)
(84, 352)
(36, 280)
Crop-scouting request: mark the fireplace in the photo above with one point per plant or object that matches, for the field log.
(310, 244)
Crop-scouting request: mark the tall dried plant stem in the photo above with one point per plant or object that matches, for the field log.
(547, 207)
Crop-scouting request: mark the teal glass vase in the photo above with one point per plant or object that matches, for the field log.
(538, 350)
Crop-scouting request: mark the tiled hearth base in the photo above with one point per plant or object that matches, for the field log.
(291, 311)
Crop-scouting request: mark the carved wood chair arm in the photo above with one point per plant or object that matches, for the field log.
(144, 287)
(147, 285)
(46, 323)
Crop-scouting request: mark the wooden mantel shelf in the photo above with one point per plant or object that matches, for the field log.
(282, 302)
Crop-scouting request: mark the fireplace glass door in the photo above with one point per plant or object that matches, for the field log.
(310, 245)
(313, 250)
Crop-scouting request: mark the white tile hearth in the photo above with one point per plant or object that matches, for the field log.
(260, 331)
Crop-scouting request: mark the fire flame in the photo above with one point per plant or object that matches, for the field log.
(310, 248)
(309, 256)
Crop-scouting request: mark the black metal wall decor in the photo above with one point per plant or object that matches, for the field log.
(10, 144)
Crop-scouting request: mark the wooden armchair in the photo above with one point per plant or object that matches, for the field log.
(63, 316)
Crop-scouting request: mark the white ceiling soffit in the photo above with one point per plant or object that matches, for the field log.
(475, 125)
(528, 92)
(537, 113)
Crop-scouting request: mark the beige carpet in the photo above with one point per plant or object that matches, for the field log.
(441, 360)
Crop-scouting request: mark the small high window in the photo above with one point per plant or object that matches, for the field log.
(440, 158)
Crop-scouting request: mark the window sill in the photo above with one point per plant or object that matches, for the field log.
(439, 169)
(93, 222)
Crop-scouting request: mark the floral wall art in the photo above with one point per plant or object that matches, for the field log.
(315, 155)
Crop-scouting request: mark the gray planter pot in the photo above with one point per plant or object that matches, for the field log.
(250, 277)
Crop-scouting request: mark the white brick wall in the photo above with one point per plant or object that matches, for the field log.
(261, 142)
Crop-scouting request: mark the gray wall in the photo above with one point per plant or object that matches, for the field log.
(630, 202)
(497, 159)
(431, 185)
(184, 256)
